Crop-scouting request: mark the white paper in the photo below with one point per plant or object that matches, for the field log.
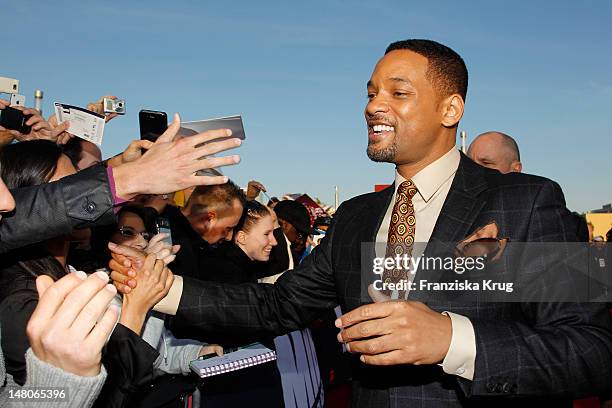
(85, 124)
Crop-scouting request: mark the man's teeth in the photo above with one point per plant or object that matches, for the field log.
(383, 128)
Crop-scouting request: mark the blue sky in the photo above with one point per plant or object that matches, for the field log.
(539, 71)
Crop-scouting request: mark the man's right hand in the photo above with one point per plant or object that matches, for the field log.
(170, 164)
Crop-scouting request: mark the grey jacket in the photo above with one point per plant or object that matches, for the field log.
(81, 391)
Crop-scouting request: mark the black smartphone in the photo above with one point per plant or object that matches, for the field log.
(14, 119)
(152, 124)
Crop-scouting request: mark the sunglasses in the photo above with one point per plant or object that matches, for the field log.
(131, 233)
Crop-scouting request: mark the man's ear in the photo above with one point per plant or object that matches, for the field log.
(452, 109)
(209, 218)
(516, 166)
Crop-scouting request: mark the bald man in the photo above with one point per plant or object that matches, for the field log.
(496, 150)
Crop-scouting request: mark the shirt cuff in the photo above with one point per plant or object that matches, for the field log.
(169, 305)
(111, 181)
(461, 357)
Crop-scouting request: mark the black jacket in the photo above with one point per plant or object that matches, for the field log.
(531, 350)
(50, 210)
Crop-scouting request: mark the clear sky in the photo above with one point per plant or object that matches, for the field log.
(540, 71)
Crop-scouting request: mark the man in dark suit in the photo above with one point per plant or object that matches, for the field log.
(421, 349)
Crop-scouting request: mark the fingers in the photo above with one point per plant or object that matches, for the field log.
(64, 138)
(126, 270)
(172, 130)
(376, 345)
(209, 136)
(93, 310)
(155, 240)
(206, 180)
(365, 312)
(4, 103)
(43, 282)
(118, 282)
(52, 295)
(135, 256)
(79, 297)
(36, 121)
(141, 144)
(169, 259)
(364, 330)
(384, 359)
(103, 329)
(214, 162)
(124, 250)
(149, 265)
(164, 252)
(209, 149)
(59, 129)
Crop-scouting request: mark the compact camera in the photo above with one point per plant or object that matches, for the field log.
(9, 85)
(114, 106)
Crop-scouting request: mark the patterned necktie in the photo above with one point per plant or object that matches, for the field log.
(400, 240)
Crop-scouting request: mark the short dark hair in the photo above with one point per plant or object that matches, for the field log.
(205, 198)
(446, 69)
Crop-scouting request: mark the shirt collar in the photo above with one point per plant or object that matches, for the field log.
(429, 180)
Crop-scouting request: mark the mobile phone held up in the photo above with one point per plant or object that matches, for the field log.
(152, 124)
(14, 119)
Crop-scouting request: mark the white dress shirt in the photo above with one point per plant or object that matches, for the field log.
(433, 184)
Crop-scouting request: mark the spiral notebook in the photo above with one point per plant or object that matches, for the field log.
(248, 356)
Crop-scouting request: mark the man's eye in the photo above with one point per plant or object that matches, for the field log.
(371, 95)
(400, 94)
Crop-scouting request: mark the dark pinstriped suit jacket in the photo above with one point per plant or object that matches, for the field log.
(531, 351)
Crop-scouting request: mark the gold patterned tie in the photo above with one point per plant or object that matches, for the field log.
(400, 240)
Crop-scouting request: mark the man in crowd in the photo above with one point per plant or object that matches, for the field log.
(208, 219)
(496, 150)
(420, 348)
(294, 220)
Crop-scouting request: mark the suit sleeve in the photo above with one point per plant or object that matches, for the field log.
(49, 210)
(297, 298)
(553, 349)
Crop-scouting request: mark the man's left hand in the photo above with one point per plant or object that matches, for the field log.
(396, 332)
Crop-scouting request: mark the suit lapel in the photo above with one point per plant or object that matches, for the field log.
(459, 212)
(369, 220)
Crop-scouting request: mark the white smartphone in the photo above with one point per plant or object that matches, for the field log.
(18, 100)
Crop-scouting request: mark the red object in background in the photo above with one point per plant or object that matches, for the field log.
(314, 210)
(380, 187)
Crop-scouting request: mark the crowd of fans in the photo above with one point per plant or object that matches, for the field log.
(65, 209)
(64, 206)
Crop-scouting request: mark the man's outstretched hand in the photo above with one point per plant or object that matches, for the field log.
(170, 164)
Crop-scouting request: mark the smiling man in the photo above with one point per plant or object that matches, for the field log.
(416, 348)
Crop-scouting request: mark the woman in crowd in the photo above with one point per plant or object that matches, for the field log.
(238, 261)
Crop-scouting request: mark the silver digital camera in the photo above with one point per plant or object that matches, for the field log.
(114, 106)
